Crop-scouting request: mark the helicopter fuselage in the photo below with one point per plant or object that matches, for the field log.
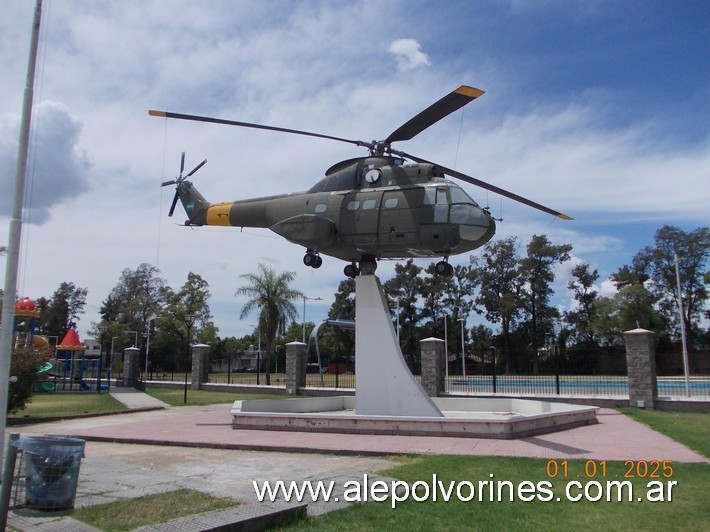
(368, 207)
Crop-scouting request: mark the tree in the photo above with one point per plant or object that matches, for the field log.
(402, 293)
(185, 313)
(336, 341)
(482, 342)
(500, 286)
(585, 295)
(271, 295)
(692, 250)
(61, 312)
(631, 307)
(132, 303)
(433, 312)
(537, 272)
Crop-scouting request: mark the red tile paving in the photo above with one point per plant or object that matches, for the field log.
(615, 437)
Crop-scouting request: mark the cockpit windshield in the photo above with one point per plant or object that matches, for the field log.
(459, 196)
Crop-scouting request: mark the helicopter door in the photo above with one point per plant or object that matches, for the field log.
(358, 218)
(398, 215)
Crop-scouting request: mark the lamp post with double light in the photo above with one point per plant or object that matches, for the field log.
(462, 319)
(189, 321)
(304, 313)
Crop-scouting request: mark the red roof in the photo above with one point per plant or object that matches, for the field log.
(71, 342)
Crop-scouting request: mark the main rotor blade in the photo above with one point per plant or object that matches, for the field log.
(488, 186)
(435, 112)
(182, 163)
(196, 168)
(172, 207)
(196, 118)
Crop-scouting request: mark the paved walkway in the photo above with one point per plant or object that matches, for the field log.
(197, 447)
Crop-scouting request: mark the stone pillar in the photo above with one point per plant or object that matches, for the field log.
(641, 364)
(200, 365)
(433, 360)
(131, 363)
(295, 367)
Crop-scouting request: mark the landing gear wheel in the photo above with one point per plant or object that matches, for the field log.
(351, 271)
(444, 268)
(312, 260)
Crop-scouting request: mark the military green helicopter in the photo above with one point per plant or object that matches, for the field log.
(365, 208)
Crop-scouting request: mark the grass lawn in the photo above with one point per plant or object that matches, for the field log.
(57, 405)
(149, 510)
(688, 428)
(688, 510)
(176, 397)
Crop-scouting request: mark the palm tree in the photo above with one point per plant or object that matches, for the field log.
(270, 293)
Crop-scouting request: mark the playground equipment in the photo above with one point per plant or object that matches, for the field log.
(76, 371)
(71, 369)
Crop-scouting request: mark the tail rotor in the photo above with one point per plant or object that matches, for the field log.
(179, 180)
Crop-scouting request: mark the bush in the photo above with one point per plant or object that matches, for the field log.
(26, 361)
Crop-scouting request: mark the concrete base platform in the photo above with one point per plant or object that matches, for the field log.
(504, 418)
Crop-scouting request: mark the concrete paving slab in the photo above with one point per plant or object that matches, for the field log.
(135, 399)
(615, 437)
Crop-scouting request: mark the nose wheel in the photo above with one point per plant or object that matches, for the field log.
(313, 260)
(351, 270)
(444, 269)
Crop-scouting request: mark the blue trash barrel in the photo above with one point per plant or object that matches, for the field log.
(51, 471)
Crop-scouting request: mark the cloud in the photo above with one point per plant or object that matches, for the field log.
(57, 166)
(409, 55)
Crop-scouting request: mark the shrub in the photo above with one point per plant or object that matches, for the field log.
(26, 361)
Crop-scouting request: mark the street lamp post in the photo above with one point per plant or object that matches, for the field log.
(258, 353)
(446, 347)
(189, 321)
(304, 313)
(147, 347)
(462, 319)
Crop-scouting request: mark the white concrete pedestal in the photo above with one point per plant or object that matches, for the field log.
(385, 386)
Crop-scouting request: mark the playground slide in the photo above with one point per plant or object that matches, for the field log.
(45, 369)
(40, 341)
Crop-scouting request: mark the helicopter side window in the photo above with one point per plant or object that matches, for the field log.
(368, 204)
(353, 205)
(441, 207)
(320, 208)
(391, 203)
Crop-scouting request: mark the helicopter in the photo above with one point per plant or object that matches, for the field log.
(366, 208)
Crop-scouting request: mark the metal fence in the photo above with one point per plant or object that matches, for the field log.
(572, 385)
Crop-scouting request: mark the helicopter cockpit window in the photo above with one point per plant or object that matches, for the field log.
(353, 205)
(465, 212)
(368, 204)
(459, 196)
(320, 208)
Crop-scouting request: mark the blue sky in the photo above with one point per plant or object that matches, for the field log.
(598, 109)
